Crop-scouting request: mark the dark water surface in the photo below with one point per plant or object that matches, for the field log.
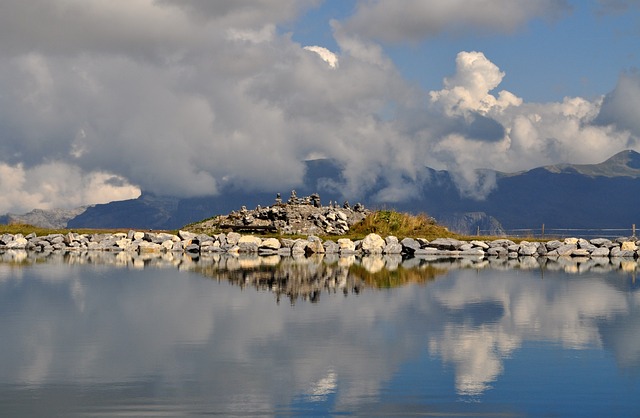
(116, 335)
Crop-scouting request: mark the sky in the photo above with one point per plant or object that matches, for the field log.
(102, 100)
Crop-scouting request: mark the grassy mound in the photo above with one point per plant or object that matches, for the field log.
(401, 225)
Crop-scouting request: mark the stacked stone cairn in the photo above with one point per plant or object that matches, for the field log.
(236, 243)
(298, 215)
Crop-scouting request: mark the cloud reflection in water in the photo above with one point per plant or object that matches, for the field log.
(76, 319)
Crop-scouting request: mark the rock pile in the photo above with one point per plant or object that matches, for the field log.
(235, 243)
(298, 215)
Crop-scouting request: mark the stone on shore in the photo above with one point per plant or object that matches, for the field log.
(372, 244)
(271, 243)
(234, 243)
(346, 246)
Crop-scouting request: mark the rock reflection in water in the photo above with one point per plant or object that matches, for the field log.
(305, 278)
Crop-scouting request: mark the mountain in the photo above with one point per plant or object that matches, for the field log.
(595, 196)
(160, 212)
(605, 195)
(53, 218)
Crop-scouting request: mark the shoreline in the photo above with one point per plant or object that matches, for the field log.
(235, 243)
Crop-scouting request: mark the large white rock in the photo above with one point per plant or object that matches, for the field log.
(271, 244)
(299, 247)
(629, 246)
(19, 243)
(250, 239)
(150, 247)
(249, 243)
(233, 237)
(373, 244)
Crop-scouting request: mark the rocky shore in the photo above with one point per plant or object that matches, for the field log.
(236, 243)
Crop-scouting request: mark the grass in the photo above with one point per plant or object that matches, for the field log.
(26, 229)
(401, 225)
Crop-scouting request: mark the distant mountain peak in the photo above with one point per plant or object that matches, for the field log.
(623, 164)
(628, 158)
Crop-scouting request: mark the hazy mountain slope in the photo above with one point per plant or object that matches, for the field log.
(54, 218)
(146, 212)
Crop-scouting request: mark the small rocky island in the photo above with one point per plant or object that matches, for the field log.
(295, 216)
(305, 216)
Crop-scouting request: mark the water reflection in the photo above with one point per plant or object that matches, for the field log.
(154, 337)
(305, 278)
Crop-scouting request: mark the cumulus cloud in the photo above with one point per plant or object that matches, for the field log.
(469, 88)
(58, 185)
(534, 133)
(620, 107)
(415, 20)
(225, 100)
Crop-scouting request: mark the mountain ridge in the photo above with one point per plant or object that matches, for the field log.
(602, 195)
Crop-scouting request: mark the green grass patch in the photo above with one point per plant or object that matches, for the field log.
(401, 225)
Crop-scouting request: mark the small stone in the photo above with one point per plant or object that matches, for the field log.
(315, 247)
(392, 248)
(480, 244)
(331, 247)
(346, 245)
(410, 245)
(150, 247)
(600, 252)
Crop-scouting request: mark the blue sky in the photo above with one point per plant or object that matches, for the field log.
(102, 100)
(581, 53)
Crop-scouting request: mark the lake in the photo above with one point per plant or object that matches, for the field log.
(115, 334)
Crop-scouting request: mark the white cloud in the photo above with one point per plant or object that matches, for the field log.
(225, 99)
(620, 107)
(469, 87)
(471, 321)
(569, 314)
(574, 130)
(58, 185)
(326, 55)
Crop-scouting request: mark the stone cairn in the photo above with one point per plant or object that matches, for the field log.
(298, 215)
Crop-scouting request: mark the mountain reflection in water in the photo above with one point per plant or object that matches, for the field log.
(123, 333)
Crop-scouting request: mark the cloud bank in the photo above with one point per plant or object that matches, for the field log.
(190, 98)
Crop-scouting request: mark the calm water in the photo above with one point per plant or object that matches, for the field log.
(110, 335)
